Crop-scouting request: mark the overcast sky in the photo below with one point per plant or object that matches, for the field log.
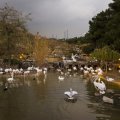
(53, 18)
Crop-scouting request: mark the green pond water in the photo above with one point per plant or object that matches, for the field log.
(39, 99)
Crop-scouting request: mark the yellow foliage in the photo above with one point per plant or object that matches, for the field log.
(40, 50)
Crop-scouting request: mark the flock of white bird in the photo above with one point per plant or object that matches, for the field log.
(85, 71)
(94, 74)
(35, 71)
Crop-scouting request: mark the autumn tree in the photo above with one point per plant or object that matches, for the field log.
(40, 50)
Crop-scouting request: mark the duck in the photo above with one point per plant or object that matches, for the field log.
(70, 94)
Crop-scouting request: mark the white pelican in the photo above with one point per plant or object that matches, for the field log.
(112, 98)
(107, 99)
(71, 93)
(100, 86)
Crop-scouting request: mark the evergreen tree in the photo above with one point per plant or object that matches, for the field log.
(104, 28)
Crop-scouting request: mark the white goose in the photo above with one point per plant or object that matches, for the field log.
(71, 93)
(100, 86)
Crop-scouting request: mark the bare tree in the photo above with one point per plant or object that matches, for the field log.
(12, 29)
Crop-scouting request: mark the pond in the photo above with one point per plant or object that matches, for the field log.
(30, 99)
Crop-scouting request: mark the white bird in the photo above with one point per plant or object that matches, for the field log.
(38, 70)
(1, 69)
(109, 69)
(109, 79)
(58, 70)
(113, 98)
(73, 57)
(7, 70)
(27, 72)
(30, 68)
(71, 93)
(1, 73)
(69, 70)
(62, 73)
(74, 68)
(44, 72)
(107, 100)
(100, 86)
(45, 75)
(81, 68)
(99, 71)
(45, 69)
(86, 72)
(11, 78)
(61, 78)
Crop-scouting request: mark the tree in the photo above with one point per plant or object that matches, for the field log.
(104, 28)
(97, 29)
(40, 50)
(12, 30)
(105, 55)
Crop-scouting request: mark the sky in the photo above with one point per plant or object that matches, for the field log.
(59, 18)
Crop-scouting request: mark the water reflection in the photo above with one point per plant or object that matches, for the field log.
(71, 100)
(44, 99)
